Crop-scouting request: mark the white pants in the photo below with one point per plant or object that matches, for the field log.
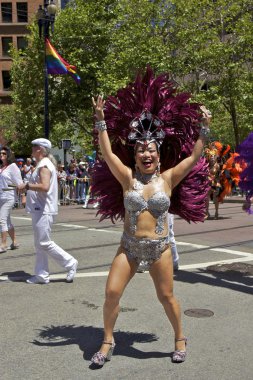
(44, 246)
(171, 238)
(6, 206)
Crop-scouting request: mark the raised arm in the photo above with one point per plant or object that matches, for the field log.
(181, 170)
(121, 172)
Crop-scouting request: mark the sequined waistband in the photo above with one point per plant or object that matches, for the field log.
(145, 249)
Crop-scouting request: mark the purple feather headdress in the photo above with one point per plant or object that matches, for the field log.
(245, 150)
(179, 123)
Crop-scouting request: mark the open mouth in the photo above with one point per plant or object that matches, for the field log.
(147, 164)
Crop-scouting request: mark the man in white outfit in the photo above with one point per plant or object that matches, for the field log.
(42, 204)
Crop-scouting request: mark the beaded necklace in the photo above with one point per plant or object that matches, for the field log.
(143, 179)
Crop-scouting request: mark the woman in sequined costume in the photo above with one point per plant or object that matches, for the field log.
(146, 195)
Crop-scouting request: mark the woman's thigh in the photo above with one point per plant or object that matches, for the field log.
(121, 272)
(161, 272)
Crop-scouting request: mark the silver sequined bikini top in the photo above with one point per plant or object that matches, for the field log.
(157, 205)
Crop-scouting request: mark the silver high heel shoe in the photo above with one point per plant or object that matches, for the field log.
(179, 356)
(99, 358)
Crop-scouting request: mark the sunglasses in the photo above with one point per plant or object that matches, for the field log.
(4, 153)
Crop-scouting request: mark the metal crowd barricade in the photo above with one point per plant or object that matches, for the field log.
(71, 193)
(63, 191)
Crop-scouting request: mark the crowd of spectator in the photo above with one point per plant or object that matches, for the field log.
(73, 180)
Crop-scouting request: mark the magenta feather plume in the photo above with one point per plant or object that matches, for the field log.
(245, 150)
(181, 126)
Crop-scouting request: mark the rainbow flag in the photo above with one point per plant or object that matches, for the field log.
(56, 65)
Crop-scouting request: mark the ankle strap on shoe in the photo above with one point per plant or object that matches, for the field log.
(110, 343)
(181, 339)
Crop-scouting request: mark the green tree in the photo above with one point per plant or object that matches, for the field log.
(82, 38)
(207, 47)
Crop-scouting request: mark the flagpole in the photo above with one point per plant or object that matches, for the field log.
(46, 107)
(46, 19)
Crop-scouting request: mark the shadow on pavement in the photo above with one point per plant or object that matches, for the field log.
(89, 339)
(17, 276)
(231, 280)
(21, 276)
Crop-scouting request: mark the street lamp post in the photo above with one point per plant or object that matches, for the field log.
(46, 17)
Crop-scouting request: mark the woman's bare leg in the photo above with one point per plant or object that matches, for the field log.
(161, 272)
(4, 239)
(121, 272)
(12, 234)
(216, 205)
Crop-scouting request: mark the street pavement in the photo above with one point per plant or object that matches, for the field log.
(51, 331)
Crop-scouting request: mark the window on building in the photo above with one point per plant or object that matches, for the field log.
(21, 43)
(6, 9)
(6, 42)
(6, 80)
(22, 15)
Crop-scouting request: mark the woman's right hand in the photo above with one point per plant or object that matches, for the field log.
(98, 105)
(206, 116)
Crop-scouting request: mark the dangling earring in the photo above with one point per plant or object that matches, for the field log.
(158, 169)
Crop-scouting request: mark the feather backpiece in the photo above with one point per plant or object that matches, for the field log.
(181, 124)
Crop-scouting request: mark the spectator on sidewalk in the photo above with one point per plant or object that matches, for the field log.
(28, 169)
(10, 175)
(82, 175)
(61, 177)
(71, 182)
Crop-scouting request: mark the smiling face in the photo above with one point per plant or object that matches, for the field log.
(147, 157)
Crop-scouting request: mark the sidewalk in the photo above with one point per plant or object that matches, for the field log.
(235, 199)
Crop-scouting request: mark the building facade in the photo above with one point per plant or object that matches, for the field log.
(15, 15)
(14, 18)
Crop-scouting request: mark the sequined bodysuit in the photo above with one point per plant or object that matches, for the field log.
(145, 249)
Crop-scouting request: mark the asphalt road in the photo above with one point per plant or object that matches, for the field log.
(51, 331)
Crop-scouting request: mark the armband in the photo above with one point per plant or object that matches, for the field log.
(100, 125)
(204, 132)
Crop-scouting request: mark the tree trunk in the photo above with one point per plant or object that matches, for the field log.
(234, 121)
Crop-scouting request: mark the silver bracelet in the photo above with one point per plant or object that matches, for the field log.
(100, 125)
(204, 132)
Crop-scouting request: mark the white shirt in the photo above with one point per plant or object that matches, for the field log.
(41, 201)
(10, 175)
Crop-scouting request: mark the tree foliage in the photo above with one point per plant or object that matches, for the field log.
(206, 46)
